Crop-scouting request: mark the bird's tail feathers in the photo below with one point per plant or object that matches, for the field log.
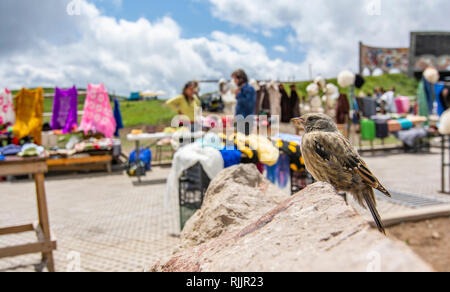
(369, 197)
(384, 191)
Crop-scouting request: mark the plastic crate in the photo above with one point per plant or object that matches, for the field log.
(193, 185)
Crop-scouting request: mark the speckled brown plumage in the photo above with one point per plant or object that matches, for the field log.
(331, 158)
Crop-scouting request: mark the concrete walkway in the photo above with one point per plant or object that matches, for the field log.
(102, 223)
(106, 223)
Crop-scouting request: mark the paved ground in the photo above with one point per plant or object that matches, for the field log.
(113, 225)
(109, 224)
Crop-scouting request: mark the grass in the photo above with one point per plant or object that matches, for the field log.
(152, 112)
(134, 113)
(157, 114)
(403, 84)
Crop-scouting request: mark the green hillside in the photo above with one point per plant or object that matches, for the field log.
(403, 84)
(156, 113)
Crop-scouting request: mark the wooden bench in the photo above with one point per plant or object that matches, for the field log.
(100, 162)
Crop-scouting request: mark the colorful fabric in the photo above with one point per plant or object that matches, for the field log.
(256, 148)
(65, 110)
(231, 157)
(422, 100)
(211, 140)
(406, 124)
(403, 105)
(118, 118)
(394, 126)
(98, 116)
(437, 91)
(7, 115)
(368, 130)
(381, 128)
(29, 111)
(293, 151)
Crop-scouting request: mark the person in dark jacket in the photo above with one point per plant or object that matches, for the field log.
(245, 94)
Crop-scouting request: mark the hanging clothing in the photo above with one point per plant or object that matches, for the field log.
(342, 110)
(403, 105)
(389, 99)
(98, 116)
(294, 103)
(286, 109)
(422, 100)
(381, 128)
(7, 115)
(369, 107)
(246, 100)
(117, 118)
(433, 91)
(258, 102)
(265, 100)
(65, 110)
(275, 99)
(438, 88)
(444, 100)
(29, 111)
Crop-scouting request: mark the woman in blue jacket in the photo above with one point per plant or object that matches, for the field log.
(245, 94)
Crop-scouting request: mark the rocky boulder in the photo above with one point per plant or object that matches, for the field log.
(314, 230)
(236, 196)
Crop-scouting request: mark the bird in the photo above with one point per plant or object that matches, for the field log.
(330, 157)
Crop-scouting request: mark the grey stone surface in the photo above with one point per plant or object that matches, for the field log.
(234, 197)
(312, 231)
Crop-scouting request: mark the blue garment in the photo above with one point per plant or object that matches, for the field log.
(284, 171)
(145, 155)
(406, 124)
(117, 117)
(433, 92)
(246, 101)
(437, 91)
(10, 150)
(231, 157)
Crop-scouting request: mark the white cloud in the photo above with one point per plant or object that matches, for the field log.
(125, 55)
(330, 30)
(280, 49)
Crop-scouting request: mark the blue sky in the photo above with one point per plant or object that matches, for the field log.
(196, 20)
(136, 45)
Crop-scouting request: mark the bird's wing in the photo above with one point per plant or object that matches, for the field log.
(335, 147)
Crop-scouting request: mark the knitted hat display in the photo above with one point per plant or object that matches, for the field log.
(346, 79)
(312, 89)
(431, 75)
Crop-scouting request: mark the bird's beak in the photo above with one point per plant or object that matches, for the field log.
(299, 123)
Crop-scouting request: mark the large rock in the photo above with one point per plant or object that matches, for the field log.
(312, 231)
(236, 196)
